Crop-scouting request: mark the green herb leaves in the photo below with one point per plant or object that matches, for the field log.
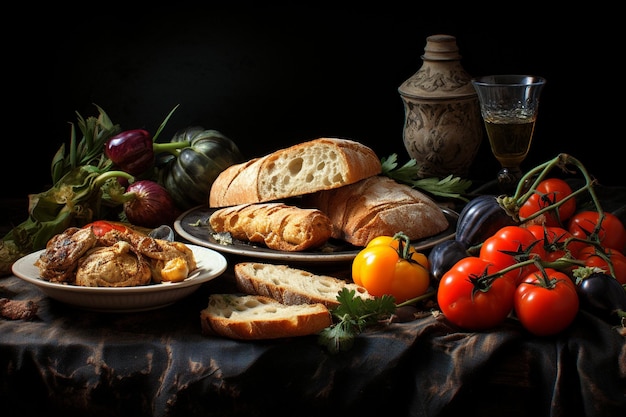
(354, 314)
(450, 186)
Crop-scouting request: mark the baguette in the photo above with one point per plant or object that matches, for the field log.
(319, 164)
(277, 225)
(378, 206)
(254, 317)
(290, 285)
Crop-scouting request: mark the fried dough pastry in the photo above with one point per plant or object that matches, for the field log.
(113, 266)
(169, 261)
(58, 262)
(116, 259)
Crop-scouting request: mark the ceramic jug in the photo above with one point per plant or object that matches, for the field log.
(442, 124)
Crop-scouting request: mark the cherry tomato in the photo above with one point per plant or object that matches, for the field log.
(612, 233)
(467, 303)
(101, 227)
(546, 305)
(555, 242)
(511, 245)
(593, 259)
(548, 192)
(387, 266)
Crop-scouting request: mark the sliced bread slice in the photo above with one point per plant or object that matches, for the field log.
(255, 317)
(291, 285)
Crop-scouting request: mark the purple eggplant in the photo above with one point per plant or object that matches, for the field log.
(481, 218)
(131, 151)
(602, 295)
(444, 255)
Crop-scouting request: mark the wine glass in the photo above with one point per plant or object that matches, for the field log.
(508, 105)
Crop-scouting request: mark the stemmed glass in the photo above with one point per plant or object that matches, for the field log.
(508, 105)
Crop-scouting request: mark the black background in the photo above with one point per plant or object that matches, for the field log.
(272, 77)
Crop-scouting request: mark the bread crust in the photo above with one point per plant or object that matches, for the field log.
(319, 164)
(378, 206)
(291, 285)
(254, 317)
(277, 225)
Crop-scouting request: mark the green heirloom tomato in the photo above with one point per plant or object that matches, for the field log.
(188, 177)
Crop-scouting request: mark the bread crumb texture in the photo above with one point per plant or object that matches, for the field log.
(295, 171)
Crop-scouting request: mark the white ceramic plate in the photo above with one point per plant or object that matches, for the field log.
(193, 226)
(211, 264)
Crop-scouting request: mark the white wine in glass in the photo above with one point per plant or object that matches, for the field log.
(509, 104)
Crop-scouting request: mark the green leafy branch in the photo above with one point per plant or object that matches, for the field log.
(449, 187)
(354, 314)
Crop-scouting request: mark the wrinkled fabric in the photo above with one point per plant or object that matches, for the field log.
(157, 363)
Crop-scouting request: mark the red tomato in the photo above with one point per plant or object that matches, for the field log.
(548, 192)
(618, 259)
(466, 303)
(546, 307)
(511, 245)
(555, 242)
(101, 227)
(612, 233)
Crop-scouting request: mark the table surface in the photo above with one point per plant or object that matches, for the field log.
(157, 363)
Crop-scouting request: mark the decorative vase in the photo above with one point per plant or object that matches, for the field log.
(443, 128)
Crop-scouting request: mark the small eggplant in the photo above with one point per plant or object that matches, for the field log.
(131, 151)
(603, 296)
(480, 219)
(444, 255)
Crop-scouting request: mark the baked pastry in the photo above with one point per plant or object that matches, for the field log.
(117, 265)
(291, 285)
(319, 164)
(377, 206)
(250, 317)
(277, 225)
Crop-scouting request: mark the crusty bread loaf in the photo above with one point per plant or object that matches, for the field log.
(319, 164)
(291, 285)
(250, 317)
(378, 206)
(277, 225)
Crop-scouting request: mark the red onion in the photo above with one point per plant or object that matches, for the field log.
(152, 205)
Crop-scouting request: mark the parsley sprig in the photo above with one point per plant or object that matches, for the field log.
(450, 186)
(354, 314)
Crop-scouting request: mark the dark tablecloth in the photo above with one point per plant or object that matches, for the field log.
(157, 363)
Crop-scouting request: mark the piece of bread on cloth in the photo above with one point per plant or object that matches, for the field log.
(377, 206)
(319, 164)
(290, 285)
(254, 317)
(279, 226)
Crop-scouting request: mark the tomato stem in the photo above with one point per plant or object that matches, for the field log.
(404, 246)
(539, 173)
(422, 297)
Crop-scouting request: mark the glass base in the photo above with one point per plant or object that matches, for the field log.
(508, 178)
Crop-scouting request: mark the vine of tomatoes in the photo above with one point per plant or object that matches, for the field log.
(548, 193)
(540, 253)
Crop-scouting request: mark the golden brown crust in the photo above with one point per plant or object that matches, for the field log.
(253, 317)
(279, 226)
(378, 206)
(319, 164)
(235, 185)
